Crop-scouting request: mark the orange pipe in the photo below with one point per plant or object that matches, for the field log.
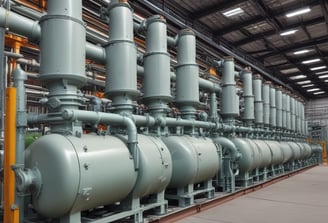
(11, 212)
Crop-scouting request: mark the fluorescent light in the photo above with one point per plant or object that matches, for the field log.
(301, 52)
(323, 76)
(288, 32)
(290, 70)
(233, 12)
(298, 12)
(313, 89)
(304, 82)
(297, 77)
(322, 72)
(318, 68)
(319, 92)
(311, 61)
(326, 80)
(308, 85)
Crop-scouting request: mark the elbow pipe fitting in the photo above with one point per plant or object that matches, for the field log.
(230, 146)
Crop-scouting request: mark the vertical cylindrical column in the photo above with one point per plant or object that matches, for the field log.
(273, 109)
(229, 100)
(187, 84)
(248, 114)
(266, 103)
(284, 110)
(298, 116)
(21, 123)
(293, 113)
(121, 58)
(213, 107)
(288, 112)
(302, 118)
(258, 102)
(62, 47)
(279, 107)
(156, 82)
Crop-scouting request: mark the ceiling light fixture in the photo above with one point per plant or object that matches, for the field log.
(233, 12)
(290, 32)
(311, 61)
(308, 85)
(318, 68)
(304, 82)
(319, 92)
(313, 89)
(298, 12)
(297, 77)
(301, 52)
(323, 76)
(322, 72)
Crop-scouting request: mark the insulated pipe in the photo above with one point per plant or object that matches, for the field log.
(279, 107)
(258, 101)
(273, 109)
(288, 113)
(284, 110)
(121, 60)
(156, 82)
(63, 37)
(230, 100)
(266, 103)
(19, 78)
(11, 211)
(248, 114)
(187, 86)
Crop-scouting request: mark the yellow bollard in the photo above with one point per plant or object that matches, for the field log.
(11, 211)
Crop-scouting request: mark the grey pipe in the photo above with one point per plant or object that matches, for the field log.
(258, 101)
(108, 118)
(121, 58)
(279, 107)
(21, 123)
(12, 54)
(230, 101)
(213, 107)
(284, 111)
(273, 110)
(30, 62)
(288, 113)
(230, 146)
(298, 115)
(156, 82)
(187, 86)
(248, 114)
(266, 103)
(293, 114)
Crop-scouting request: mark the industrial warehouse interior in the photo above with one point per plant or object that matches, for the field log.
(140, 111)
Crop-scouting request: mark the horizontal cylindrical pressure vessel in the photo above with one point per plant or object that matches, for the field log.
(83, 173)
(195, 159)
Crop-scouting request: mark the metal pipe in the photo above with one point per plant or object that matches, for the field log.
(121, 58)
(156, 82)
(293, 114)
(273, 110)
(11, 210)
(30, 62)
(258, 101)
(12, 54)
(3, 81)
(266, 103)
(19, 78)
(187, 86)
(288, 112)
(248, 113)
(284, 110)
(230, 100)
(213, 107)
(230, 146)
(279, 107)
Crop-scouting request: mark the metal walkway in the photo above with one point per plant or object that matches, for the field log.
(302, 198)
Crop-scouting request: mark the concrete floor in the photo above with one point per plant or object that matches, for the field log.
(302, 198)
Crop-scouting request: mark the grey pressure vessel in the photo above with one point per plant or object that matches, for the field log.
(195, 159)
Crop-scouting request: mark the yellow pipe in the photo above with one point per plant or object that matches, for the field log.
(11, 213)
